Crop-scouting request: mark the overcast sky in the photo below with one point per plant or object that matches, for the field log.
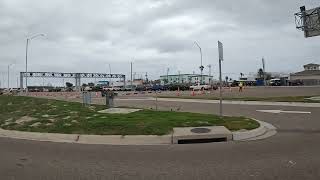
(86, 36)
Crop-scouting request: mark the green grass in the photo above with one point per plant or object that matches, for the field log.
(270, 99)
(72, 117)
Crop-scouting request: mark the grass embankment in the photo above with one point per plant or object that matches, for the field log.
(53, 116)
(270, 99)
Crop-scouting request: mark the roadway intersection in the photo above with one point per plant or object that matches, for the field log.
(291, 154)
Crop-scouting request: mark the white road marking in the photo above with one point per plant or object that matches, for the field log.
(275, 111)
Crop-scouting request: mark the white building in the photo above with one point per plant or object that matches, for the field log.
(310, 75)
(185, 79)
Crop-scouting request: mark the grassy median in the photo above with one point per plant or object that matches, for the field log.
(53, 116)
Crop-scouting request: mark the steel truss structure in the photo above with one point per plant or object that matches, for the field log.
(77, 76)
(308, 21)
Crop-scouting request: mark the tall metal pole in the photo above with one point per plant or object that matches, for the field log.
(220, 50)
(27, 44)
(131, 77)
(110, 74)
(8, 77)
(26, 66)
(201, 66)
(210, 80)
(264, 71)
(167, 75)
(220, 89)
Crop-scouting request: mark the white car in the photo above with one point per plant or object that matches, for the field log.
(88, 88)
(200, 87)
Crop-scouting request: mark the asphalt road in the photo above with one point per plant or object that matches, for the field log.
(293, 153)
(249, 91)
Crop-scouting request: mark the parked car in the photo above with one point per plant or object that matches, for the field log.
(200, 87)
(275, 82)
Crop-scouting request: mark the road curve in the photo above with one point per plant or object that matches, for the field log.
(291, 154)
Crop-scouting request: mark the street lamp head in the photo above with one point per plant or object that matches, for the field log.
(37, 35)
(195, 42)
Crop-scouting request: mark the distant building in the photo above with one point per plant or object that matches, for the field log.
(310, 75)
(185, 79)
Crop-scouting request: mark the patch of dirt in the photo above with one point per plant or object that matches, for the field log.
(203, 122)
(6, 124)
(8, 120)
(9, 104)
(45, 116)
(74, 121)
(88, 117)
(67, 117)
(52, 120)
(25, 119)
(73, 112)
(49, 124)
(67, 124)
(35, 124)
(92, 108)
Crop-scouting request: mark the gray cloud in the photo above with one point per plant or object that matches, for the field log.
(86, 36)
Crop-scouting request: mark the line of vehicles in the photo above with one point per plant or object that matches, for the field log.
(173, 87)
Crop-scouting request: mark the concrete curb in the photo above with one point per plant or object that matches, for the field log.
(125, 140)
(89, 139)
(51, 137)
(264, 131)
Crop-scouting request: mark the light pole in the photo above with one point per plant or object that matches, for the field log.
(9, 75)
(131, 76)
(264, 72)
(109, 73)
(210, 80)
(168, 75)
(201, 66)
(27, 44)
(220, 50)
